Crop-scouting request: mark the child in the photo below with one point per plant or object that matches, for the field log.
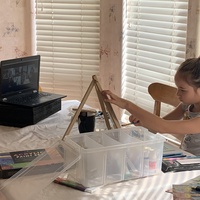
(187, 80)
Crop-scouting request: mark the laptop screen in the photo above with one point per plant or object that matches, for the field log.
(20, 75)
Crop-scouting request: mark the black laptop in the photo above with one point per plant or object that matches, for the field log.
(19, 83)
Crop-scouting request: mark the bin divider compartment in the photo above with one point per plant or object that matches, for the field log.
(85, 142)
(152, 146)
(133, 154)
(103, 139)
(114, 160)
(89, 170)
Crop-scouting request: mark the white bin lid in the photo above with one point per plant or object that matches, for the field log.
(29, 181)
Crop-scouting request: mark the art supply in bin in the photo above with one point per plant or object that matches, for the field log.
(150, 161)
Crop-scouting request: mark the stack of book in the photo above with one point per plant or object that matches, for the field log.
(180, 163)
(189, 190)
(12, 162)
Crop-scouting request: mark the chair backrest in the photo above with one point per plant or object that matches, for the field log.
(162, 93)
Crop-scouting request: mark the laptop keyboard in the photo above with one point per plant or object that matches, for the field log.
(28, 98)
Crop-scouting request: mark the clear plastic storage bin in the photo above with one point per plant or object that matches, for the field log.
(116, 155)
(91, 159)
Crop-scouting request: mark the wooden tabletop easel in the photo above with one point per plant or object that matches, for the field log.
(105, 106)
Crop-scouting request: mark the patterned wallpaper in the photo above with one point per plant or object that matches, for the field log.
(15, 29)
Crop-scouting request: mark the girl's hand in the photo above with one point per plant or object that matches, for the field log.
(134, 120)
(114, 99)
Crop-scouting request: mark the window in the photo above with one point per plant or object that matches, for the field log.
(155, 44)
(67, 38)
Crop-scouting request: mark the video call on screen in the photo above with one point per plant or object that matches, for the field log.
(15, 78)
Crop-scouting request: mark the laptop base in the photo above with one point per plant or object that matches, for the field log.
(21, 116)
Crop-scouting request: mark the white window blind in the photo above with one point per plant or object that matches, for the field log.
(67, 38)
(155, 44)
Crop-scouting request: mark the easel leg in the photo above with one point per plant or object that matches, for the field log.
(103, 108)
(75, 117)
(108, 105)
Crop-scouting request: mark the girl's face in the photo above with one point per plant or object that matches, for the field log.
(186, 93)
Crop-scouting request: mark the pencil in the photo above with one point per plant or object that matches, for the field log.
(131, 123)
(126, 124)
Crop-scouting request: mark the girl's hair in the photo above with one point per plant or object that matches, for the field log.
(189, 70)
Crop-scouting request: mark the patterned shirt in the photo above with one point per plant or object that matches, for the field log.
(191, 142)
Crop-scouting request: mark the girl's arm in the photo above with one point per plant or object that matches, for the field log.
(175, 114)
(151, 121)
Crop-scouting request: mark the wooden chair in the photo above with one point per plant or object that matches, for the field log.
(162, 93)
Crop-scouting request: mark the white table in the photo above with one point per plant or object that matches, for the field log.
(47, 131)
(149, 188)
